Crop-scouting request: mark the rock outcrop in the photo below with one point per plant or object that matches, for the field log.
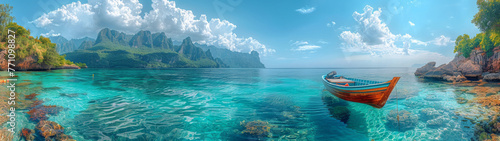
(477, 66)
(29, 64)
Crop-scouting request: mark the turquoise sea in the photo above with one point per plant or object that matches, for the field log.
(244, 104)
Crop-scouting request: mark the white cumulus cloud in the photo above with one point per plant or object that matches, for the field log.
(373, 36)
(372, 42)
(304, 46)
(78, 20)
(306, 10)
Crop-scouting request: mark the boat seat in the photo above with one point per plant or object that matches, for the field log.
(342, 80)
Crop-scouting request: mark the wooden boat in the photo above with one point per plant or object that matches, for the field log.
(373, 93)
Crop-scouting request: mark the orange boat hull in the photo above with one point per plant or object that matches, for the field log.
(376, 97)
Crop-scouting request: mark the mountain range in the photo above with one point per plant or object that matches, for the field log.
(114, 49)
(64, 45)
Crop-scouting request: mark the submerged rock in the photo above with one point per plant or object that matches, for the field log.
(256, 128)
(433, 97)
(27, 134)
(48, 129)
(340, 112)
(31, 96)
(404, 120)
(430, 113)
(39, 113)
(483, 91)
(461, 100)
(439, 121)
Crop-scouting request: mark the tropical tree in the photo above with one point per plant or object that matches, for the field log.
(488, 17)
(5, 18)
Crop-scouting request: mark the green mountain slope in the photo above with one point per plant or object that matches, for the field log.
(235, 59)
(113, 49)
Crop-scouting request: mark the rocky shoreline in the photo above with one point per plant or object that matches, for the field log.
(30, 64)
(477, 67)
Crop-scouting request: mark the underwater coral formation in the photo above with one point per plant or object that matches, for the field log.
(256, 128)
(40, 113)
(402, 121)
(27, 134)
(31, 96)
(483, 91)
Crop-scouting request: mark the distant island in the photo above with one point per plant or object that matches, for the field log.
(477, 58)
(114, 49)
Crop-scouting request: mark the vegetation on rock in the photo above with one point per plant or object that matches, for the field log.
(488, 20)
(31, 52)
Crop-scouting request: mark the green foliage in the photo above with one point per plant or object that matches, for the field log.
(488, 17)
(41, 48)
(19, 30)
(488, 20)
(81, 65)
(463, 45)
(5, 18)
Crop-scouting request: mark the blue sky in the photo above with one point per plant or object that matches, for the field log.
(298, 34)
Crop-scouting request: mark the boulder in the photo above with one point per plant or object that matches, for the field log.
(434, 74)
(441, 71)
(492, 77)
(426, 68)
(470, 69)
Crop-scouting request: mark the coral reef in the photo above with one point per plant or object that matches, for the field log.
(404, 120)
(492, 102)
(483, 91)
(37, 115)
(439, 121)
(40, 113)
(31, 96)
(256, 128)
(430, 113)
(48, 129)
(27, 134)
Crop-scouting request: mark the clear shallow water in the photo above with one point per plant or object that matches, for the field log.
(215, 104)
